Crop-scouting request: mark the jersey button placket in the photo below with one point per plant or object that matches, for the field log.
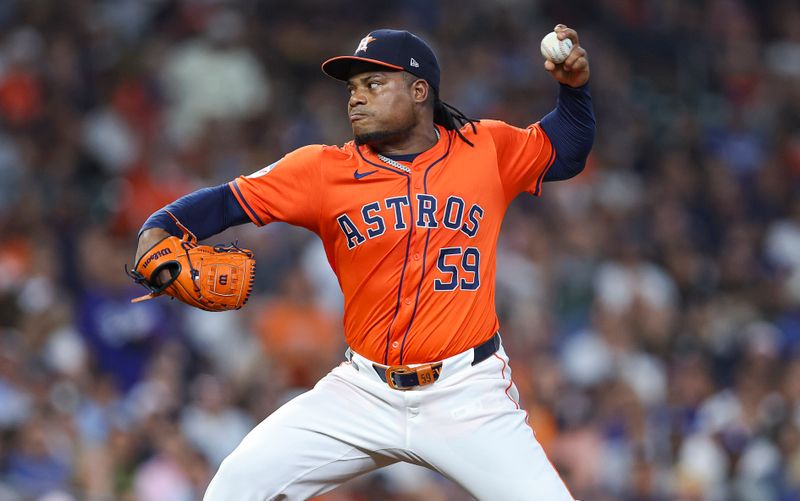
(416, 176)
(414, 257)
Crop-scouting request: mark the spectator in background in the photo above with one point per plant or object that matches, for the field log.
(298, 337)
(36, 464)
(20, 82)
(211, 423)
(213, 77)
(174, 472)
(122, 337)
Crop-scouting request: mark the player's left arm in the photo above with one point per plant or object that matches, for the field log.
(571, 125)
(205, 212)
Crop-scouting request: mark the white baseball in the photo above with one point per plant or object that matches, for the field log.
(554, 49)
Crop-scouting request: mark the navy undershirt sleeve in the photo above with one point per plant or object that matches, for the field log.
(205, 212)
(571, 129)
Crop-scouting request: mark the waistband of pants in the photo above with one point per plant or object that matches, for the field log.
(403, 379)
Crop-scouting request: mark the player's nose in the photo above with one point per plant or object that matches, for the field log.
(356, 98)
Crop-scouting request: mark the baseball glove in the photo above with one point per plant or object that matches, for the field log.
(217, 278)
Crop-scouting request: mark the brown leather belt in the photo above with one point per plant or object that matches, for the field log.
(403, 377)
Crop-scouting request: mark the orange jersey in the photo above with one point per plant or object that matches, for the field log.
(414, 251)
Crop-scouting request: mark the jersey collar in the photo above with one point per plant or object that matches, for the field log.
(427, 156)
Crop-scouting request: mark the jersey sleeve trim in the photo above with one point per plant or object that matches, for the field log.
(550, 161)
(240, 198)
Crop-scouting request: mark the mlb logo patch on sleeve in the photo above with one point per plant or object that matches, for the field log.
(263, 171)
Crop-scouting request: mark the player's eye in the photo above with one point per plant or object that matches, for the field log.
(373, 85)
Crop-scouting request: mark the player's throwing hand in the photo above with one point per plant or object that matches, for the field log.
(574, 71)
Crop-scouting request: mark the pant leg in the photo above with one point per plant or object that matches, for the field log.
(309, 446)
(474, 432)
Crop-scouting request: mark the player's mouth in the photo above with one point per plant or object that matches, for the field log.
(355, 117)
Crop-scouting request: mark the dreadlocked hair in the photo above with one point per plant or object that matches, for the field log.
(451, 118)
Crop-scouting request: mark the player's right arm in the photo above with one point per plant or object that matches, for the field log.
(556, 147)
(287, 190)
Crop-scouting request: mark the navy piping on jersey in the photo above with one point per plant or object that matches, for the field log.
(550, 162)
(424, 252)
(408, 247)
(246, 204)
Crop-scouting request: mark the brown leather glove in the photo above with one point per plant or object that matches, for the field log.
(217, 278)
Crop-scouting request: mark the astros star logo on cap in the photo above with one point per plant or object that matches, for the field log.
(393, 49)
(362, 45)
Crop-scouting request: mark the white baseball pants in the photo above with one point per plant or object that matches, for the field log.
(467, 425)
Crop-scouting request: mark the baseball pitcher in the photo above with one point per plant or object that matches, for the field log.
(409, 213)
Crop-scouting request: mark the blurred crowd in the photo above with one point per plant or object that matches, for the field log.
(650, 306)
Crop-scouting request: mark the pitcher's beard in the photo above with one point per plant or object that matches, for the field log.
(381, 137)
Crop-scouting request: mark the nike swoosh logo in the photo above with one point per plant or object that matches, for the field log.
(359, 175)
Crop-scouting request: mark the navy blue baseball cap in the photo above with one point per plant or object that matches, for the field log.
(395, 49)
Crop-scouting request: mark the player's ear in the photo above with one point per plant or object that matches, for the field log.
(420, 90)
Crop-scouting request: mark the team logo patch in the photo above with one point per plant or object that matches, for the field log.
(362, 45)
(264, 171)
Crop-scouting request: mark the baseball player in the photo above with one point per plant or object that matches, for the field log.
(409, 213)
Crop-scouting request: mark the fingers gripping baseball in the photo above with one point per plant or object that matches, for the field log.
(574, 71)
